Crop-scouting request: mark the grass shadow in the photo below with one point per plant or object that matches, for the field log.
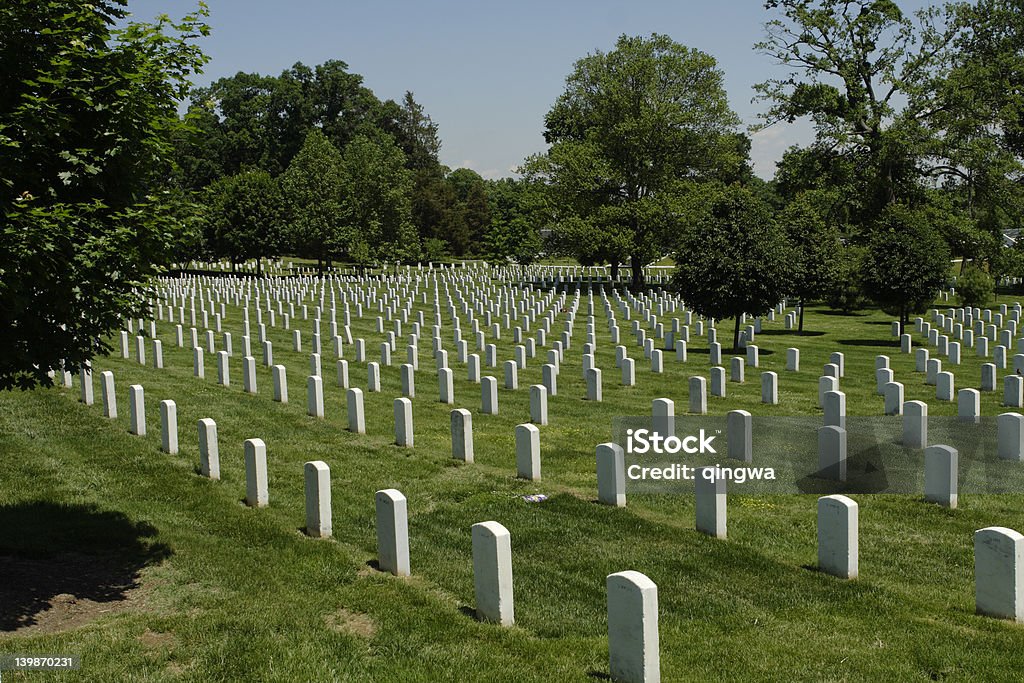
(790, 333)
(49, 550)
(886, 343)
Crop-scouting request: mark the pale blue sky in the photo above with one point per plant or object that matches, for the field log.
(486, 72)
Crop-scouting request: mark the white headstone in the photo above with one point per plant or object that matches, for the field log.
(999, 573)
(710, 502)
(136, 410)
(108, 395)
(392, 532)
(462, 435)
(528, 452)
(739, 435)
(633, 652)
(318, 499)
(611, 475)
(915, 424)
(941, 475)
(837, 536)
(356, 414)
(1010, 436)
(256, 494)
(209, 453)
(168, 427)
(403, 422)
(492, 573)
(832, 453)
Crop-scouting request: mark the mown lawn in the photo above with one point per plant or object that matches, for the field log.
(228, 593)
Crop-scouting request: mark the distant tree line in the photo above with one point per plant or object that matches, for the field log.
(312, 163)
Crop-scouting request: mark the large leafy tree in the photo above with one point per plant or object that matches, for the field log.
(376, 209)
(313, 187)
(815, 250)
(907, 262)
(734, 259)
(865, 73)
(256, 121)
(88, 104)
(518, 210)
(632, 125)
(245, 217)
(906, 100)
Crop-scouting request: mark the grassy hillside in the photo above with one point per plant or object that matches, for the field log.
(174, 578)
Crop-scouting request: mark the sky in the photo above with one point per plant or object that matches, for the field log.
(486, 72)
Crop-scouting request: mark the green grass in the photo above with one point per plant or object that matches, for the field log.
(243, 594)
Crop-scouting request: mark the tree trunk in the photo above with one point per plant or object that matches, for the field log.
(736, 334)
(319, 264)
(637, 266)
(615, 272)
(801, 328)
(259, 267)
(234, 265)
(904, 318)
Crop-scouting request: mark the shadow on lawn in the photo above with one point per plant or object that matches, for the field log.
(828, 311)
(789, 333)
(887, 343)
(53, 554)
(729, 352)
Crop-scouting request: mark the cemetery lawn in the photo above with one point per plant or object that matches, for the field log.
(175, 579)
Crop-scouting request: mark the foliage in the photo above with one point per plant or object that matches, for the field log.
(376, 209)
(313, 187)
(631, 124)
(87, 114)
(847, 291)
(256, 121)
(246, 216)
(902, 103)
(974, 287)
(734, 260)
(907, 262)
(518, 209)
(473, 205)
(815, 251)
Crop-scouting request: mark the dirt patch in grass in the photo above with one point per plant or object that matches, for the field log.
(66, 565)
(63, 592)
(155, 640)
(354, 623)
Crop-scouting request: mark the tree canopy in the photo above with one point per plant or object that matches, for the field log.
(631, 126)
(734, 259)
(88, 108)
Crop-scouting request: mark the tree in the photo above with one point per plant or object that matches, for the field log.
(246, 217)
(847, 291)
(974, 287)
(87, 113)
(851, 61)
(518, 210)
(413, 131)
(313, 188)
(815, 251)
(257, 121)
(377, 210)
(631, 124)
(907, 262)
(471, 192)
(909, 101)
(733, 260)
